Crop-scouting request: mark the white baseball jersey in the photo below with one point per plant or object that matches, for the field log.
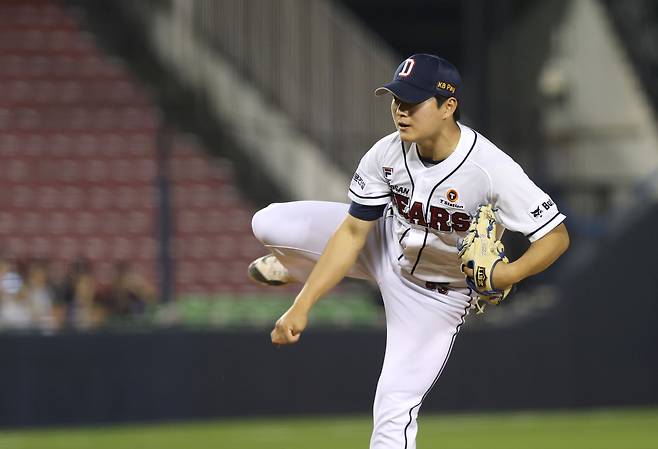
(429, 210)
(432, 206)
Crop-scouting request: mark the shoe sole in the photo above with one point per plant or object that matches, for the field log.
(257, 276)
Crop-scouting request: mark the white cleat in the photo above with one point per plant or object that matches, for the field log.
(269, 271)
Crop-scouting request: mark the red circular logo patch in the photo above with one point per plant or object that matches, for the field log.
(452, 195)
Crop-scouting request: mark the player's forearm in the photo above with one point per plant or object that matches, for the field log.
(338, 257)
(540, 255)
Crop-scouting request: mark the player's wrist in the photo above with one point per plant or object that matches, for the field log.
(504, 276)
(512, 274)
(303, 303)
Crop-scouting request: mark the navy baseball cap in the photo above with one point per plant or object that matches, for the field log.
(422, 76)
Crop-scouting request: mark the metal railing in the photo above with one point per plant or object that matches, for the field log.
(311, 59)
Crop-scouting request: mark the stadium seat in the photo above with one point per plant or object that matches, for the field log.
(79, 162)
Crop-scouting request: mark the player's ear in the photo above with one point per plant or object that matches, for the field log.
(451, 106)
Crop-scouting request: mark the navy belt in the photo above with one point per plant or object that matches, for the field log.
(436, 287)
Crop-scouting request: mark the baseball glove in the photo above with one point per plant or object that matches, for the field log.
(481, 252)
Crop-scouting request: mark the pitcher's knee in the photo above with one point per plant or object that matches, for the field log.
(263, 223)
(300, 225)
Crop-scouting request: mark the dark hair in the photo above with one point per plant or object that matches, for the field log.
(440, 99)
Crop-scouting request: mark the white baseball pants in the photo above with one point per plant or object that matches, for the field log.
(421, 324)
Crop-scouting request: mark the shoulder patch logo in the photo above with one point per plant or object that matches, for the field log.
(537, 213)
(388, 172)
(359, 180)
(452, 195)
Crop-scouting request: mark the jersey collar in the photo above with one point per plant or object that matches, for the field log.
(466, 138)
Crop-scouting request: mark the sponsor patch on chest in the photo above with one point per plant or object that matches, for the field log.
(450, 199)
(450, 204)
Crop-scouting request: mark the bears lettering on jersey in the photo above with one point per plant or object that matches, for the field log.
(440, 219)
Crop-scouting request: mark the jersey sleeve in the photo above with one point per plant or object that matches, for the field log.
(521, 205)
(366, 213)
(368, 186)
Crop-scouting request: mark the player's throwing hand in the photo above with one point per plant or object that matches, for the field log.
(289, 327)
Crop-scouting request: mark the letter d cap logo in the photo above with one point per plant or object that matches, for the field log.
(416, 79)
(407, 67)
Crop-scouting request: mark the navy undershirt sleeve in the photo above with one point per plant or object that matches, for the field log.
(367, 213)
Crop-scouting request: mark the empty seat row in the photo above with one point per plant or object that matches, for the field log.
(197, 248)
(78, 171)
(191, 218)
(94, 248)
(49, 67)
(192, 169)
(77, 118)
(24, 157)
(186, 249)
(83, 144)
(200, 206)
(46, 40)
(34, 196)
(223, 228)
(69, 93)
(196, 197)
(211, 245)
(195, 183)
(76, 223)
(195, 222)
(102, 144)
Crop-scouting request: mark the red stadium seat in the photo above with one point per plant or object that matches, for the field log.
(78, 151)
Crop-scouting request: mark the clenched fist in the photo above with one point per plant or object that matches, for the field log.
(289, 327)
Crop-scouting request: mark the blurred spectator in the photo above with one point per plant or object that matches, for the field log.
(29, 299)
(14, 310)
(129, 293)
(39, 295)
(76, 297)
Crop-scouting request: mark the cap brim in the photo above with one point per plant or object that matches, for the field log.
(405, 92)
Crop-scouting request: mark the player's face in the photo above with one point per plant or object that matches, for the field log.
(417, 122)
